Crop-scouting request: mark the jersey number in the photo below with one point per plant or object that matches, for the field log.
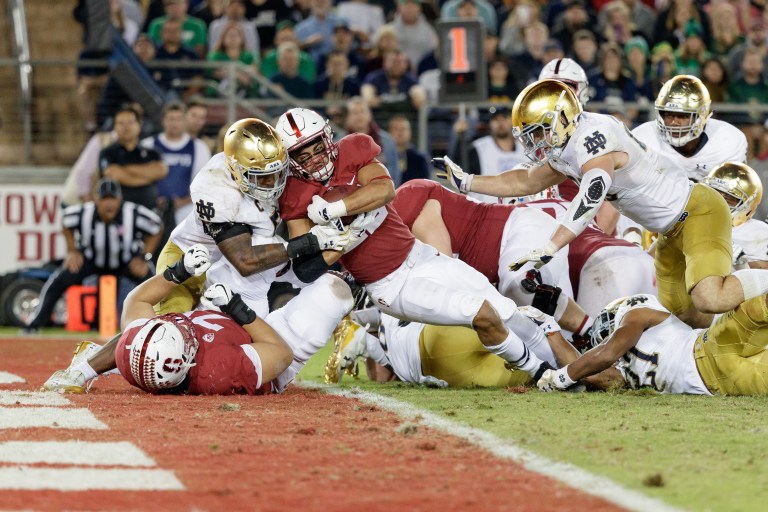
(651, 358)
(203, 321)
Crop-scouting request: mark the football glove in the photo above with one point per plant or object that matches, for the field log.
(322, 212)
(455, 177)
(195, 262)
(540, 256)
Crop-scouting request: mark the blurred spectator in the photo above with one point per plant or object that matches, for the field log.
(196, 119)
(265, 15)
(300, 10)
(314, 33)
(92, 79)
(662, 65)
(184, 156)
(525, 13)
(746, 11)
(585, 50)
(637, 52)
(284, 33)
(484, 10)
(715, 79)
(611, 80)
(412, 163)
(288, 77)
(364, 19)
(178, 82)
(672, 22)
(336, 83)
(234, 12)
(692, 53)
(231, 47)
(643, 18)
(726, 33)
(137, 169)
(573, 19)
(344, 41)
(757, 37)
(208, 10)
(619, 27)
(113, 95)
(107, 236)
(82, 178)
(193, 30)
(529, 63)
(415, 35)
(385, 41)
(553, 50)
(750, 86)
(392, 89)
(494, 153)
(360, 120)
(501, 86)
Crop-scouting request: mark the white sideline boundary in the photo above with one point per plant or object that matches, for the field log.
(10, 378)
(564, 472)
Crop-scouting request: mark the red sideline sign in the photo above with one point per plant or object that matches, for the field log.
(30, 225)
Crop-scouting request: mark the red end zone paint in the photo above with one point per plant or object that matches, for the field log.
(299, 451)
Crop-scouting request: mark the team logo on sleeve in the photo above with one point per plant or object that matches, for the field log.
(595, 142)
(205, 211)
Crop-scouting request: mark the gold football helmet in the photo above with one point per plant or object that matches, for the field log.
(544, 116)
(740, 185)
(256, 158)
(683, 94)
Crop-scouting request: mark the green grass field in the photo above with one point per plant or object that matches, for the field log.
(697, 453)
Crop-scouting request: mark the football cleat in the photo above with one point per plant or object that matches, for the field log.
(66, 381)
(83, 351)
(348, 346)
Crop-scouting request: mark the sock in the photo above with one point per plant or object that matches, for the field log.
(375, 351)
(88, 372)
(586, 323)
(514, 351)
(754, 282)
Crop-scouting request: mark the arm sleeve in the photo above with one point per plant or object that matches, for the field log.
(594, 186)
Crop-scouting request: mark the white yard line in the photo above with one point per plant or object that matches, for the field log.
(567, 473)
(33, 398)
(52, 417)
(77, 453)
(9, 378)
(86, 479)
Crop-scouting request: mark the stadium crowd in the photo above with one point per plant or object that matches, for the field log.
(569, 201)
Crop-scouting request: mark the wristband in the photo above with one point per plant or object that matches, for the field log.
(303, 245)
(562, 380)
(239, 310)
(176, 273)
(336, 209)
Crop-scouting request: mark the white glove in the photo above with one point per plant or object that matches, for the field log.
(329, 238)
(215, 296)
(455, 177)
(361, 223)
(432, 382)
(546, 322)
(555, 380)
(740, 260)
(321, 211)
(197, 260)
(540, 256)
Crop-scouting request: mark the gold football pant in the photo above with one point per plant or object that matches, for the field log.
(456, 355)
(731, 355)
(696, 247)
(184, 297)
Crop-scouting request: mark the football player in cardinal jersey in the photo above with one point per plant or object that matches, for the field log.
(403, 277)
(684, 134)
(693, 255)
(487, 237)
(641, 344)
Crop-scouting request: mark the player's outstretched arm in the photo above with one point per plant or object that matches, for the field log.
(377, 189)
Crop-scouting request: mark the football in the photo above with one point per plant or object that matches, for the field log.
(339, 192)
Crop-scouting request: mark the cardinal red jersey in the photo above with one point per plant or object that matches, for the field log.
(223, 363)
(389, 241)
(585, 245)
(475, 228)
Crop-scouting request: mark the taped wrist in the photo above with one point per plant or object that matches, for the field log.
(239, 310)
(594, 187)
(336, 209)
(466, 183)
(545, 298)
(303, 245)
(176, 273)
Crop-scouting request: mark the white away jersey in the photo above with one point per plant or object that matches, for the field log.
(400, 340)
(724, 143)
(752, 236)
(663, 357)
(641, 189)
(216, 198)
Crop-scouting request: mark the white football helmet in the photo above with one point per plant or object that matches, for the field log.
(162, 352)
(300, 127)
(568, 71)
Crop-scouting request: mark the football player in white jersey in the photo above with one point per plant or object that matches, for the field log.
(684, 134)
(693, 256)
(654, 348)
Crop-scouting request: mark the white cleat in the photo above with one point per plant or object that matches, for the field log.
(66, 381)
(83, 351)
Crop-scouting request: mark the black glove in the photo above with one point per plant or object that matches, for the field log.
(239, 310)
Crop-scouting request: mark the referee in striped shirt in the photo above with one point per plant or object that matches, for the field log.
(107, 236)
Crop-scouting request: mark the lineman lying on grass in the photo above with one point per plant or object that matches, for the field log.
(435, 355)
(654, 348)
